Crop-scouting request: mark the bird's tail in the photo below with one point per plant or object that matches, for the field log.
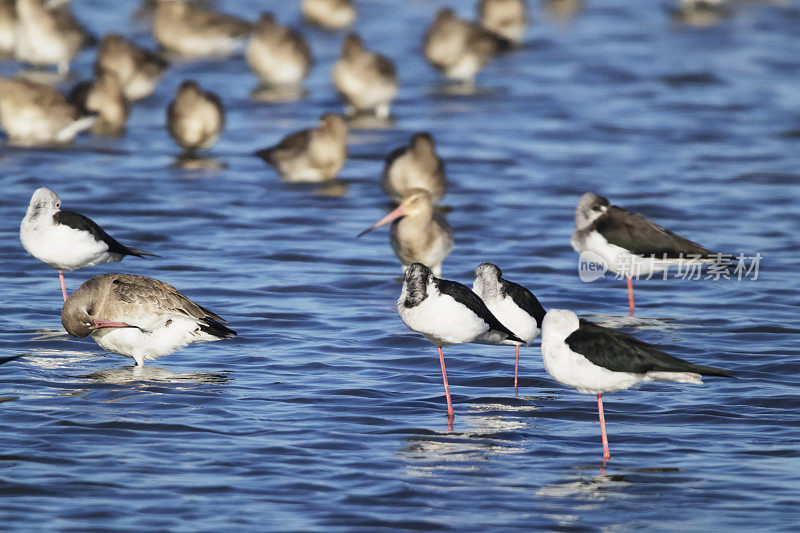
(266, 154)
(216, 329)
(141, 253)
(69, 132)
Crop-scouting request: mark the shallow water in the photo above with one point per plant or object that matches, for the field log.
(325, 413)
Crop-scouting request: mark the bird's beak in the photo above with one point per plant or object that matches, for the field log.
(397, 213)
(105, 324)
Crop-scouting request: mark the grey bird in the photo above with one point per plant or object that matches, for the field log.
(195, 118)
(367, 80)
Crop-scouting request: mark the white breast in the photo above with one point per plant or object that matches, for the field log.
(513, 317)
(574, 370)
(442, 320)
(63, 247)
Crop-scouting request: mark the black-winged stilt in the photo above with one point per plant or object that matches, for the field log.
(515, 306)
(445, 313)
(595, 359)
(67, 240)
(628, 243)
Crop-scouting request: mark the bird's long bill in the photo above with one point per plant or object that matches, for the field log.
(105, 324)
(397, 213)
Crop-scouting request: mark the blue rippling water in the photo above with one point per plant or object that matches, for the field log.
(325, 413)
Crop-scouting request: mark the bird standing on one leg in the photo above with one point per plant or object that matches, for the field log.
(66, 240)
(445, 313)
(514, 305)
(628, 243)
(595, 359)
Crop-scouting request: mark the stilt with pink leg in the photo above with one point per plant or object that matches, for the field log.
(63, 285)
(596, 360)
(516, 372)
(629, 242)
(513, 305)
(446, 313)
(450, 412)
(631, 305)
(66, 240)
(606, 452)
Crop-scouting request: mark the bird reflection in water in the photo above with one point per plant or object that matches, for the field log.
(153, 374)
(194, 161)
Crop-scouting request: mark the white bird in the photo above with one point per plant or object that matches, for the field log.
(66, 240)
(594, 359)
(139, 317)
(445, 313)
(514, 305)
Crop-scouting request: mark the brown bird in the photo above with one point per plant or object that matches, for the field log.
(139, 317)
(314, 154)
(32, 113)
(416, 166)
(330, 14)
(421, 235)
(191, 32)
(277, 54)
(457, 47)
(139, 70)
(105, 98)
(195, 117)
(47, 36)
(367, 80)
(505, 18)
(8, 28)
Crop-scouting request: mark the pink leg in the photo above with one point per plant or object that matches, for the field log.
(631, 306)
(516, 372)
(63, 286)
(450, 412)
(606, 453)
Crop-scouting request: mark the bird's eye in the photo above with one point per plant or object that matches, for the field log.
(88, 324)
(58, 204)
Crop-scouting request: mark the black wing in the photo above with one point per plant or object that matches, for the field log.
(642, 236)
(77, 221)
(465, 296)
(619, 352)
(292, 144)
(524, 299)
